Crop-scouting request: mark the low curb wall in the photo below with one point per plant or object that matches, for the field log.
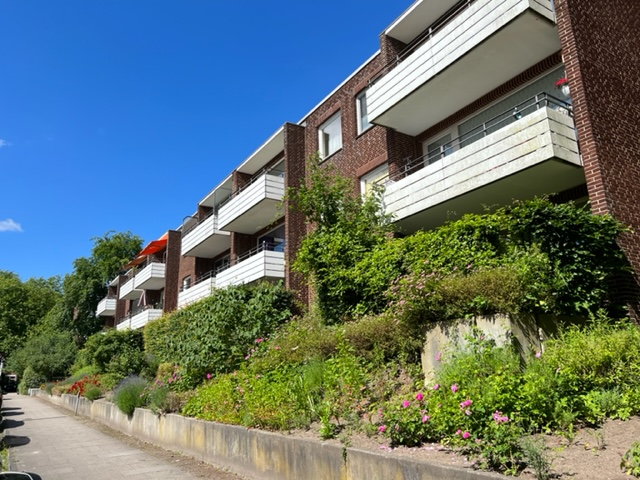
(259, 454)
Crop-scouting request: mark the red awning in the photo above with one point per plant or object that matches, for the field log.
(152, 247)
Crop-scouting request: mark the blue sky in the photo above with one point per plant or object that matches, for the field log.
(105, 103)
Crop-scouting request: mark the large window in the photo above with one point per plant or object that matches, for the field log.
(361, 112)
(330, 136)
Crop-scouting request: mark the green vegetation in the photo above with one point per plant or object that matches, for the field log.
(630, 462)
(216, 334)
(130, 394)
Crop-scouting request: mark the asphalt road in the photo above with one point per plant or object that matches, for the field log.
(48, 442)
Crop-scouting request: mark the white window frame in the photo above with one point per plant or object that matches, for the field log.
(364, 179)
(325, 138)
(453, 131)
(362, 120)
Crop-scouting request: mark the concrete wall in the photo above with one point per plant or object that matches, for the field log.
(258, 454)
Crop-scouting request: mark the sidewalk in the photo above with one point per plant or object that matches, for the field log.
(46, 441)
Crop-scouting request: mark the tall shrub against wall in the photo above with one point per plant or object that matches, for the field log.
(215, 334)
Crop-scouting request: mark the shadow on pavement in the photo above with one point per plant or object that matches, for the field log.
(16, 440)
(10, 414)
(6, 409)
(12, 423)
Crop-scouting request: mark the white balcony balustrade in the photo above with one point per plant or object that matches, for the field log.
(106, 307)
(139, 319)
(483, 44)
(205, 240)
(151, 277)
(202, 289)
(532, 155)
(265, 262)
(255, 206)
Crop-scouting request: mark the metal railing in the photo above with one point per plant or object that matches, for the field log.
(263, 247)
(200, 279)
(252, 180)
(495, 123)
(136, 310)
(425, 36)
(199, 221)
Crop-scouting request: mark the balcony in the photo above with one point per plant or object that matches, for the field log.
(201, 289)
(255, 206)
(106, 307)
(204, 240)
(481, 45)
(151, 277)
(139, 319)
(128, 292)
(532, 153)
(265, 262)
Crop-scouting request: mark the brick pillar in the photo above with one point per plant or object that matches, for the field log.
(172, 271)
(295, 225)
(601, 53)
(121, 305)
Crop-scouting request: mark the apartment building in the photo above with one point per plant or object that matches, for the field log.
(458, 110)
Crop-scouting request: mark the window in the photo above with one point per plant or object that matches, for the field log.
(186, 283)
(438, 149)
(330, 136)
(361, 112)
(222, 264)
(377, 176)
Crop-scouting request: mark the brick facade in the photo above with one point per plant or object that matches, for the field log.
(601, 53)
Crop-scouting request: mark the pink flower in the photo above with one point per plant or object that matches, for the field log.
(467, 412)
(382, 428)
(405, 403)
(436, 386)
(454, 388)
(458, 432)
(466, 435)
(425, 418)
(438, 356)
(208, 376)
(465, 404)
(419, 396)
(538, 354)
(276, 347)
(259, 340)
(499, 418)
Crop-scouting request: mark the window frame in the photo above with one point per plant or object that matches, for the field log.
(360, 97)
(322, 135)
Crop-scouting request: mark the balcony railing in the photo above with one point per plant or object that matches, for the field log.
(475, 48)
(202, 288)
(261, 262)
(501, 120)
(140, 316)
(107, 306)
(531, 151)
(257, 177)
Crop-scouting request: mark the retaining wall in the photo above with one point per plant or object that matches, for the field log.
(259, 454)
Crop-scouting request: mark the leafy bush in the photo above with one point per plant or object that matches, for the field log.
(92, 392)
(120, 352)
(83, 385)
(130, 394)
(214, 335)
(30, 379)
(48, 354)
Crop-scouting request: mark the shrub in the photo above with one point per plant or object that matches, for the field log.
(130, 394)
(630, 462)
(48, 354)
(115, 351)
(30, 379)
(92, 392)
(81, 386)
(214, 335)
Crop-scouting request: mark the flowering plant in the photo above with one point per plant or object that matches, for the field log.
(561, 82)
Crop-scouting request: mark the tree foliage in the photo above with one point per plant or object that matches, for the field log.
(345, 226)
(22, 305)
(49, 355)
(86, 285)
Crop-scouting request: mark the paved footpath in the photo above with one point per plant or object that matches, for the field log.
(47, 441)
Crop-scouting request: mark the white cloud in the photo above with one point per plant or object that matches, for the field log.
(9, 225)
(4, 143)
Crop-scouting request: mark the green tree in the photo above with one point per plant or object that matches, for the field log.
(22, 305)
(87, 284)
(345, 227)
(48, 354)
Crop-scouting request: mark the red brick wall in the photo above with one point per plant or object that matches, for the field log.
(295, 226)
(172, 271)
(601, 52)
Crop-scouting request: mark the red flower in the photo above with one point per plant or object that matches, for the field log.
(561, 82)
